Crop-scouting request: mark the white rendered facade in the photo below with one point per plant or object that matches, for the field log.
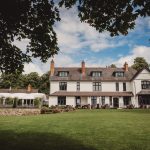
(107, 95)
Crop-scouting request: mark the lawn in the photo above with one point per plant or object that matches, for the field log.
(79, 130)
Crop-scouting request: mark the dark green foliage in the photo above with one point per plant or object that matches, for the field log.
(44, 83)
(115, 16)
(34, 20)
(140, 63)
(1, 100)
(31, 19)
(37, 102)
(112, 66)
(21, 81)
(15, 102)
(9, 101)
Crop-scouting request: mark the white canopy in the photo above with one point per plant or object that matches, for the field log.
(24, 95)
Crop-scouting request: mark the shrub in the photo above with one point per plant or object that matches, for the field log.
(15, 102)
(1, 100)
(130, 106)
(37, 102)
(9, 101)
(45, 110)
(105, 106)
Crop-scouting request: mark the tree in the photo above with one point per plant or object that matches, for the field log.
(31, 19)
(44, 83)
(140, 63)
(34, 79)
(112, 66)
(34, 19)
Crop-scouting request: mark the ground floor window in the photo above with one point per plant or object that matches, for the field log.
(93, 100)
(103, 100)
(144, 100)
(78, 101)
(61, 100)
(126, 100)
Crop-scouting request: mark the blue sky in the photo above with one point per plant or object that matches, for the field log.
(78, 41)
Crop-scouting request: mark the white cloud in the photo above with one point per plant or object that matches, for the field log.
(74, 35)
(31, 67)
(138, 51)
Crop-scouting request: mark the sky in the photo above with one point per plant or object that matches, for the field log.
(78, 41)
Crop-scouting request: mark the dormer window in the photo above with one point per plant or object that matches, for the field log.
(119, 74)
(96, 74)
(63, 74)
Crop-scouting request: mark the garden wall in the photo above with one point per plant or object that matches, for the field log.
(18, 111)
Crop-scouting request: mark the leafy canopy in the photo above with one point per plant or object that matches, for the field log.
(140, 63)
(35, 20)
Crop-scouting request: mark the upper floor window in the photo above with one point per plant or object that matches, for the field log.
(63, 73)
(119, 74)
(145, 84)
(78, 86)
(96, 86)
(124, 86)
(117, 86)
(96, 74)
(63, 86)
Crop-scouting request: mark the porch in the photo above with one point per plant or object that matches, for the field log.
(144, 99)
(91, 99)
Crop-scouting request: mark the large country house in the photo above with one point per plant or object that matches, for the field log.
(96, 87)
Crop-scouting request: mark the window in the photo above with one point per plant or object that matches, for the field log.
(103, 100)
(145, 84)
(93, 100)
(78, 86)
(117, 86)
(96, 86)
(110, 100)
(61, 100)
(124, 86)
(63, 74)
(144, 100)
(78, 101)
(96, 74)
(126, 100)
(119, 74)
(63, 86)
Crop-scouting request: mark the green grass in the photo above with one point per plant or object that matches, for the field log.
(79, 130)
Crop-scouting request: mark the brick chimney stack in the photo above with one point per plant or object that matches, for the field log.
(83, 68)
(126, 68)
(29, 88)
(52, 68)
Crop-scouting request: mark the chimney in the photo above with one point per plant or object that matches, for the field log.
(29, 89)
(83, 68)
(52, 68)
(126, 66)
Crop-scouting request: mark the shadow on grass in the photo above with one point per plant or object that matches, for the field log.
(38, 141)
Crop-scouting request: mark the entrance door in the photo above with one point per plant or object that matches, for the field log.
(78, 101)
(115, 102)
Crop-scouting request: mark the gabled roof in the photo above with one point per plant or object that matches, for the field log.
(107, 74)
(138, 72)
